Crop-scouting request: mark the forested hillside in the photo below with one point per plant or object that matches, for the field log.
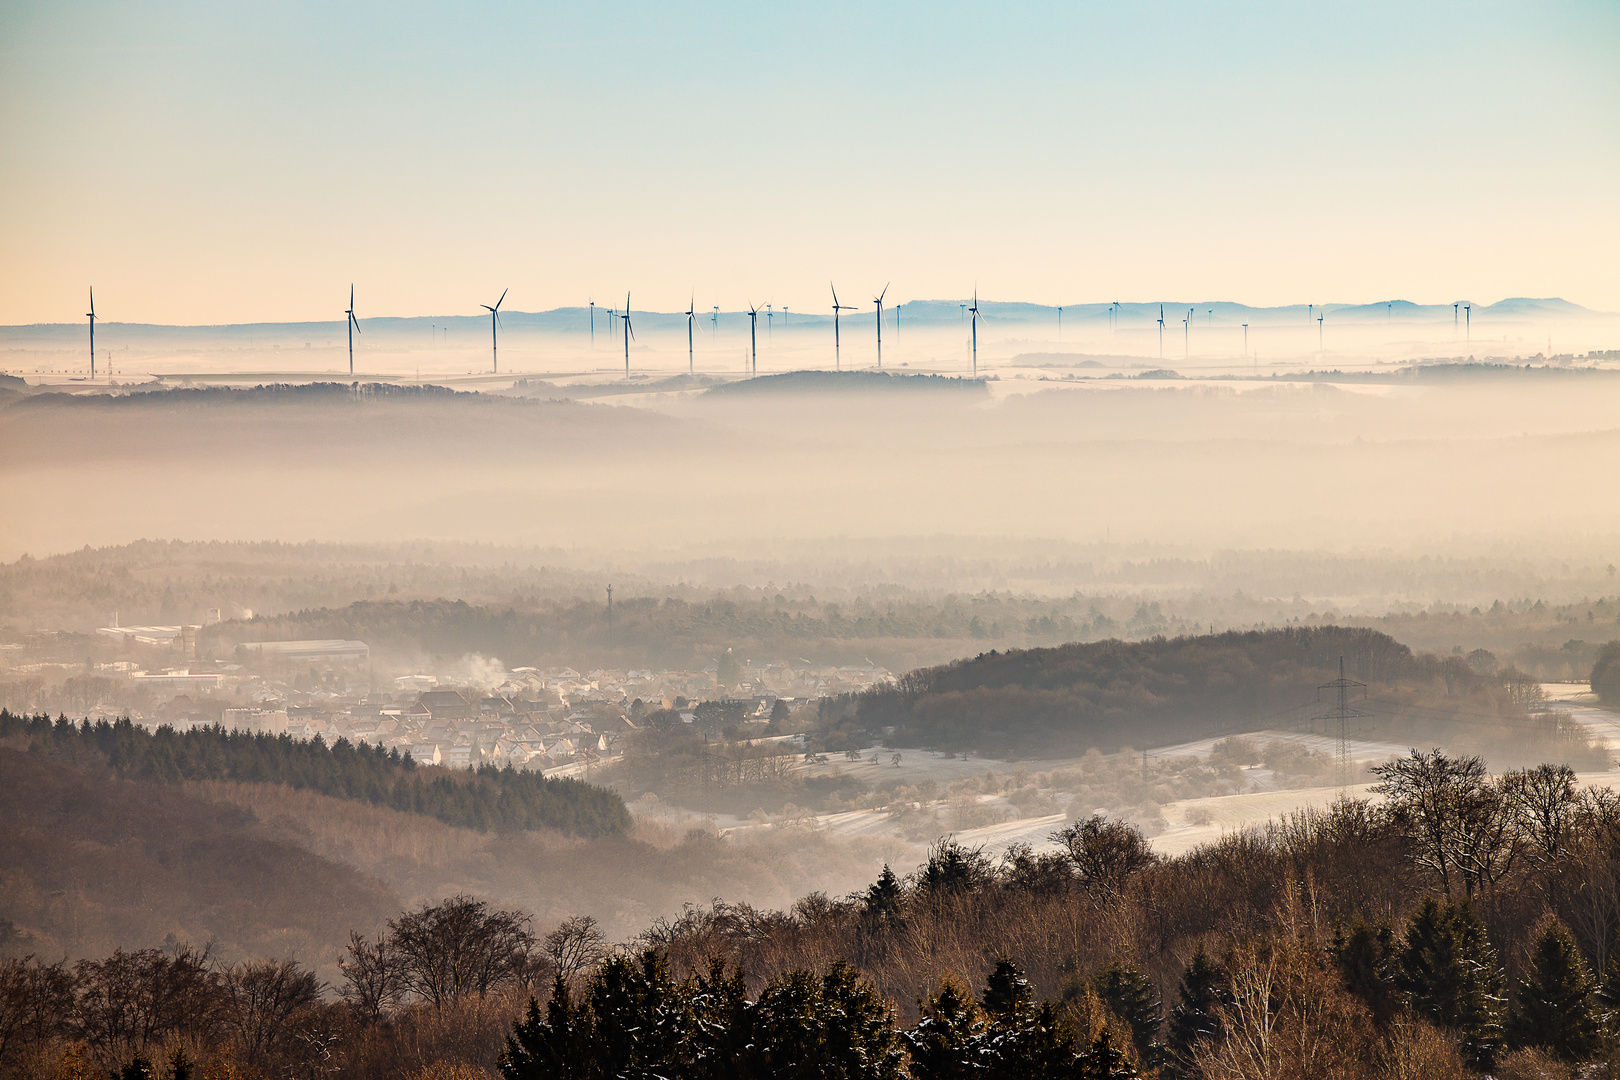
(91, 862)
(1461, 928)
(490, 799)
(1111, 693)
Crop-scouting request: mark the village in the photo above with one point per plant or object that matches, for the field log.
(460, 714)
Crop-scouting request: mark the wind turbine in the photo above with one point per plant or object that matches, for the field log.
(1454, 308)
(1186, 335)
(91, 315)
(593, 323)
(878, 300)
(975, 310)
(838, 360)
(494, 335)
(1245, 341)
(1468, 323)
(770, 325)
(691, 313)
(1319, 333)
(1060, 322)
(354, 327)
(1161, 331)
(629, 332)
(753, 339)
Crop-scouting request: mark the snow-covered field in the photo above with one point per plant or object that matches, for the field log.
(1180, 826)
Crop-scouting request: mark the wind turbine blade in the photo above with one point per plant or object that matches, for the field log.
(502, 300)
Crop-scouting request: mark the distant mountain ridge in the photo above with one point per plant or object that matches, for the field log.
(914, 312)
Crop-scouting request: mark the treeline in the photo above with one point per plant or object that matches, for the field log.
(488, 799)
(1113, 693)
(678, 633)
(1606, 675)
(1468, 924)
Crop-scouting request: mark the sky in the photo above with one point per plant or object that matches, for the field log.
(213, 163)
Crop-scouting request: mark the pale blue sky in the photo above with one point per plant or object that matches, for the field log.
(221, 162)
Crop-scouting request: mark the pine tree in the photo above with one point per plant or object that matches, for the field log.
(556, 1047)
(1007, 997)
(1196, 1016)
(1102, 1060)
(1449, 973)
(1608, 994)
(946, 1043)
(1556, 1007)
(1365, 957)
(883, 896)
(1131, 997)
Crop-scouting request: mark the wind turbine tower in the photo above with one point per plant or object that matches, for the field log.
(1454, 308)
(91, 315)
(494, 331)
(593, 322)
(753, 339)
(1060, 322)
(1319, 333)
(878, 300)
(629, 332)
(1245, 341)
(975, 310)
(354, 327)
(1161, 331)
(691, 314)
(1468, 323)
(770, 325)
(838, 360)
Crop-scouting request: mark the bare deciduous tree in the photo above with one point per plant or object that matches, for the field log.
(371, 976)
(459, 948)
(133, 1001)
(266, 997)
(1464, 826)
(1545, 801)
(576, 946)
(1105, 853)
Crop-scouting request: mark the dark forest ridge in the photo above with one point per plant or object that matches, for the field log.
(488, 799)
(1109, 694)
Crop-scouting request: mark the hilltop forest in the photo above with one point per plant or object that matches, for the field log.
(1109, 694)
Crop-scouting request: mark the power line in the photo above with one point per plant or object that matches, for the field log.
(1343, 713)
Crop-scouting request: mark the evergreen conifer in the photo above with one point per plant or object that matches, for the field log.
(1196, 1016)
(1449, 973)
(1556, 1007)
(1131, 997)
